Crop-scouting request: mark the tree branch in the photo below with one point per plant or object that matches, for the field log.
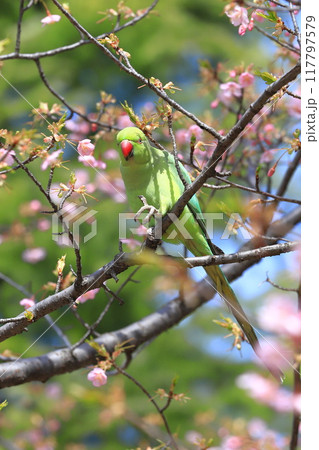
(248, 255)
(43, 367)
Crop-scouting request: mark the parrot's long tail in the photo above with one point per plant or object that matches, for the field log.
(228, 295)
(224, 289)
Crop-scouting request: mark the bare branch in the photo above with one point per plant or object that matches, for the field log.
(277, 41)
(257, 253)
(254, 191)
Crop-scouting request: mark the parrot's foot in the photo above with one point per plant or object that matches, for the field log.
(146, 207)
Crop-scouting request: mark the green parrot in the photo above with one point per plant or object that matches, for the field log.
(152, 173)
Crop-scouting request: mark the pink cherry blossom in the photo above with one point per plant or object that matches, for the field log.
(296, 401)
(114, 187)
(268, 155)
(77, 126)
(89, 295)
(97, 376)
(242, 30)
(237, 15)
(53, 390)
(232, 443)
(34, 255)
(257, 428)
(131, 243)
(214, 104)
(294, 105)
(269, 128)
(124, 121)
(258, 387)
(181, 136)
(50, 18)
(268, 392)
(280, 315)
(85, 147)
(27, 303)
(35, 205)
(100, 164)
(196, 131)
(111, 154)
(246, 79)
(140, 230)
(51, 159)
(282, 401)
(90, 161)
(87, 160)
(6, 158)
(251, 24)
(228, 91)
(275, 355)
(82, 177)
(43, 225)
(193, 436)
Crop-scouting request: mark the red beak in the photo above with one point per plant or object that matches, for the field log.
(127, 148)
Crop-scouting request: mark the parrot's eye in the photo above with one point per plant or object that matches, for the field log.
(139, 141)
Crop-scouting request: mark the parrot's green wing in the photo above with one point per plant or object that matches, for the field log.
(195, 209)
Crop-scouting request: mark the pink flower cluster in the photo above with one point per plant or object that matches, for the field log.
(239, 17)
(52, 159)
(34, 255)
(203, 150)
(112, 186)
(268, 392)
(183, 135)
(124, 121)
(86, 149)
(79, 128)
(281, 316)
(231, 90)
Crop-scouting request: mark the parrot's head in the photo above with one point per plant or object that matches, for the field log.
(134, 146)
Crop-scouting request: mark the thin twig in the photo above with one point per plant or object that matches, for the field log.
(28, 294)
(281, 288)
(151, 399)
(255, 191)
(277, 41)
(19, 23)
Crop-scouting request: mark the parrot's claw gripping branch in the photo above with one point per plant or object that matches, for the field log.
(146, 207)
